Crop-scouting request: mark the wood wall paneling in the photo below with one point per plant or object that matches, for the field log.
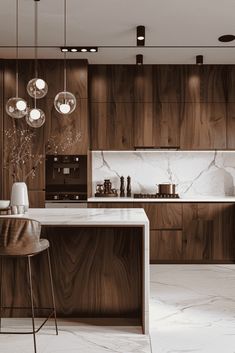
(1, 124)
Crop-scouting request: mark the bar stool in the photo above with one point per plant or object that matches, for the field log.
(20, 238)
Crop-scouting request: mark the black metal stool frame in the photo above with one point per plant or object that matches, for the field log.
(53, 309)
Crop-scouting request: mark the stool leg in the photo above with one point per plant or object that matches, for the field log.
(52, 289)
(32, 304)
(1, 286)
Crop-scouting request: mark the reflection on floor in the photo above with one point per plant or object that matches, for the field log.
(192, 309)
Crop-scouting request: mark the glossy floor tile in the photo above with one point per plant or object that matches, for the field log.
(192, 309)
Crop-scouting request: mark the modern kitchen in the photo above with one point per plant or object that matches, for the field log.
(117, 176)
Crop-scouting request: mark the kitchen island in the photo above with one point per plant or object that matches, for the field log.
(100, 263)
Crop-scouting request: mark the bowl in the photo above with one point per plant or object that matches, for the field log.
(4, 204)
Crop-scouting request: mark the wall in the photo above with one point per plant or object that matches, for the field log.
(204, 173)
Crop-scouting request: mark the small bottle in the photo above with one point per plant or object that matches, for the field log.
(128, 189)
(122, 187)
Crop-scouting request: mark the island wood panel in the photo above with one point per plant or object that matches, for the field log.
(97, 273)
(203, 126)
(162, 215)
(111, 126)
(166, 245)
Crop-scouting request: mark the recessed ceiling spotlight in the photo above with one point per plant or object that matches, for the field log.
(226, 38)
(199, 59)
(139, 59)
(74, 50)
(140, 35)
(93, 50)
(64, 50)
(83, 50)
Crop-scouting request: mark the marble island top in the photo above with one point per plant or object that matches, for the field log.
(182, 199)
(88, 217)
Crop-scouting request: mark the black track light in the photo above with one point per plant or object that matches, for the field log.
(139, 59)
(140, 35)
(226, 38)
(199, 59)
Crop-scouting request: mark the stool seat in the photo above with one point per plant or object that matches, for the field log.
(25, 250)
(20, 237)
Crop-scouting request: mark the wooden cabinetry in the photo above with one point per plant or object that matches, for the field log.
(182, 106)
(187, 232)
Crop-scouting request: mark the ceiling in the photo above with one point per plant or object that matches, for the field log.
(113, 23)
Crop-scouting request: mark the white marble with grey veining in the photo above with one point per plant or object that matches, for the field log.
(196, 173)
(192, 310)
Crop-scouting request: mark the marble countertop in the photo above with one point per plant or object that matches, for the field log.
(188, 199)
(88, 217)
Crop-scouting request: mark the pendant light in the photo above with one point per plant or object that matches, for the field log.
(65, 102)
(16, 107)
(37, 87)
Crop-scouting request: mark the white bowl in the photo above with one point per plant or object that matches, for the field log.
(4, 204)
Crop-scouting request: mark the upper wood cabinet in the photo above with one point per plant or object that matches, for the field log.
(183, 106)
(111, 126)
(203, 126)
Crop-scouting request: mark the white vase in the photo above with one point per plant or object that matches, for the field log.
(19, 196)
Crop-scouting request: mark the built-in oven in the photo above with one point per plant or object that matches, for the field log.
(66, 181)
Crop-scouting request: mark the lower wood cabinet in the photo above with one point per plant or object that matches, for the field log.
(187, 232)
(166, 245)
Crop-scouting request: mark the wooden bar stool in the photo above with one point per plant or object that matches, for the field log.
(20, 237)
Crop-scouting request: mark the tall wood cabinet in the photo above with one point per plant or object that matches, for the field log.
(60, 134)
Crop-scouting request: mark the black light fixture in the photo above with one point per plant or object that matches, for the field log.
(226, 38)
(139, 59)
(79, 49)
(140, 36)
(199, 59)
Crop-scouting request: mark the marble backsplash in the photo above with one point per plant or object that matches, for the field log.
(196, 173)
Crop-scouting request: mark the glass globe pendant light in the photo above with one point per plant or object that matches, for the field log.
(36, 87)
(35, 116)
(65, 102)
(16, 107)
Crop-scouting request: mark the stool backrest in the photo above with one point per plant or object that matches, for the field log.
(18, 235)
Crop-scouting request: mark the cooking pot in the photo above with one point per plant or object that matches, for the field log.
(166, 189)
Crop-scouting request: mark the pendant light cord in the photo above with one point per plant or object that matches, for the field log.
(35, 47)
(65, 42)
(17, 48)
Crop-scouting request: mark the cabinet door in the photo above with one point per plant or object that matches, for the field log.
(166, 245)
(162, 215)
(203, 126)
(209, 232)
(37, 199)
(111, 126)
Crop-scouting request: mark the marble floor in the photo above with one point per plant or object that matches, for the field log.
(192, 309)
